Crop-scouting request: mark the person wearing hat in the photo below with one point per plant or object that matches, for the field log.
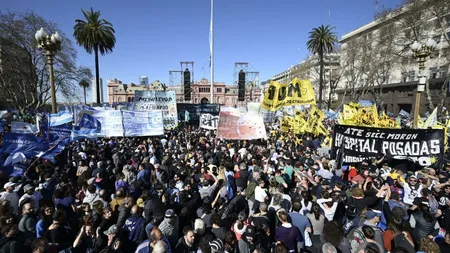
(249, 240)
(30, 193)
(169, 226)
(373, 217)
(12, 196)
(216, 246)
(112, 235)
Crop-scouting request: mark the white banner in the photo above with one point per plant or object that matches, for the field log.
(208, 121)
(151, 100)
(143, 123)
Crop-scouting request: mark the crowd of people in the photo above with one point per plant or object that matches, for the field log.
(188, 191)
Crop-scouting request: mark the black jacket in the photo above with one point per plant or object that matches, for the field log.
(9, 245)
(154, 208)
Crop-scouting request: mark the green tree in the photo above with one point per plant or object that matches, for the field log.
(322, 40)
(95, 35)
(85, 85)
(24, 75)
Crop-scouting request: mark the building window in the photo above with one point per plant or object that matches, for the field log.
(219, 89)
(404, 77)
(218, 100)
(433, 73)
(412, 75)
(205, 90)
(195, 100)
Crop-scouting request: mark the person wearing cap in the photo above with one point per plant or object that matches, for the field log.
(30, 193)
(113, 241)
(12, 196)
(169, 226)
(249, 240)
(412, 190)
(373, 217)
(217, 246)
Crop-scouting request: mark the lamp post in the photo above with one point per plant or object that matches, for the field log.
(50, 45)
(421, 52)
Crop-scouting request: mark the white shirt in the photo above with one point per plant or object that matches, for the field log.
(411, 194)
(36, 197)
(260, 194)
(13, 199)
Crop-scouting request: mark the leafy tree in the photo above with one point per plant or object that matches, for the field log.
(95, 35)
(85, 84)
(24, 75)
(322, 40)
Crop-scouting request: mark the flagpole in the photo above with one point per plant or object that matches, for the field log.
(212, 50)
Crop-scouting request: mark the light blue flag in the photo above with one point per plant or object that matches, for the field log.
(23, 128)
(84, 133)
(60, 118)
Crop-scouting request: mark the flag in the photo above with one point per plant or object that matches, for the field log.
(60, 118)
(88, 121)
(83, 133)
(14, 158)
(27, 144)
(405, 114)
(23, 128)
(431, 120)
(187, 116)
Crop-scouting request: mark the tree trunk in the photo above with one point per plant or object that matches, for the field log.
(84, 89)
(320, 78)
(97, 76)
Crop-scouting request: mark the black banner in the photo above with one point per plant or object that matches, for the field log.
(423, 146)
(195, 110)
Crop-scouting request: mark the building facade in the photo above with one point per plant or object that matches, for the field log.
(309, 69)
(378, 64)
(201, 92)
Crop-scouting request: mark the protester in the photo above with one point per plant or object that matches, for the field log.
(188, 191)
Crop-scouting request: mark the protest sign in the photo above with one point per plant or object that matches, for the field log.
(143, 123)
(236, 126)
(151, 100)
(28, 144)
(297, 92)
(56, 133)
(110, 121)
(424, 147)
(208, 121)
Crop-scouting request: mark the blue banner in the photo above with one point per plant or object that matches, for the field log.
(143, 123)
(29, 145)
(55, 150)
(88, 121)
(60, 118)
(58, 133)
(110, 121)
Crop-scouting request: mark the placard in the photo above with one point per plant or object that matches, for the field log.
(208, 121)
(143, 123)
(152, 100)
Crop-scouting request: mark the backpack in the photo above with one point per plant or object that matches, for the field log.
(357, 239)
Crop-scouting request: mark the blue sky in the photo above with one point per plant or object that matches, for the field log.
(153, 36)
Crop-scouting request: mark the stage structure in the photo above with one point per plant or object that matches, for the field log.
(183, 79)
(246, 77)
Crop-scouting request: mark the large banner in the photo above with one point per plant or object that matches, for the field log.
(143, 123)
(110, 120)
(195, 110)
(151, 100)
(208, 121)
(236, 126)
(298, 92)
(28, 144)
(355, 144)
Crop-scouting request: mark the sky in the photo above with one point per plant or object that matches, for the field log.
(154, 36)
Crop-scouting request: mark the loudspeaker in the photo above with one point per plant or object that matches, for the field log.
(241, 86)
(187, 85)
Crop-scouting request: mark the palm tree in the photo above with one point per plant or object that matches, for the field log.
(95, 34)
(322, 40)
(84, 84)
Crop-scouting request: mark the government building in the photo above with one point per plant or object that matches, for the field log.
(120, 93)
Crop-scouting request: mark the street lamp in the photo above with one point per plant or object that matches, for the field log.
(50, 45)
(421, 52)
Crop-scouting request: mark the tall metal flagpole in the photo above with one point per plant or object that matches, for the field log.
(211, 47)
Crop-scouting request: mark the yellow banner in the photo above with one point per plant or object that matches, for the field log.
(286, 124)
(298, 92)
